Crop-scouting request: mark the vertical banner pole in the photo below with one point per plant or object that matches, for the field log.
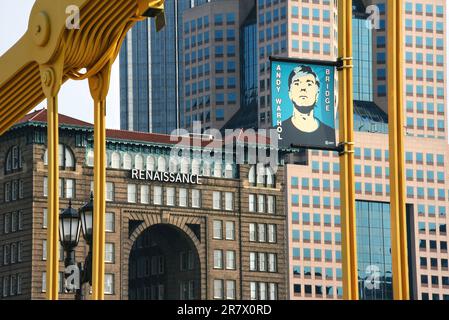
(346, 132)
(396, 143)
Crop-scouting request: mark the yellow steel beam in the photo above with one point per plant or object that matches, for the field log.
(99, 86)
(396, 142)
(51, 80)
(346, 131)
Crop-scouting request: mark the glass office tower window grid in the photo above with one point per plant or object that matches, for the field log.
(374, 250)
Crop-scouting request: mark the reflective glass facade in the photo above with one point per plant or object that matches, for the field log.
(374, 250)
(151, 73)
(248, 72)
(363, 59)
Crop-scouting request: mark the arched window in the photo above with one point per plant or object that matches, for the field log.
(66, 157)
(13, 160)
(90, 158)
(173, 165)
(161, 164)
(138, 164)
(127, 162)
(206, 169)
(252, 175)
(218, 170)
(185, 165)
(229, 171)
(260, 174)
(270, 177)
(150, 163)
(115, 160)
(196, 167)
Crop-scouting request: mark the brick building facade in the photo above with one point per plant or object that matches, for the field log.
(223, 238)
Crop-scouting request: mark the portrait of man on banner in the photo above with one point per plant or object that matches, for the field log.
(303, 104)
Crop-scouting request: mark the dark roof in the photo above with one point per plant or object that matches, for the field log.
(41, 116)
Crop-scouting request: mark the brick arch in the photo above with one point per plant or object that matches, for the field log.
(177, 222)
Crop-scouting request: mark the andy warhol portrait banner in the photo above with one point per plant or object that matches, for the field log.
(303, 103)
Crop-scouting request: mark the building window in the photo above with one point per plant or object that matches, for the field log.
(7, 223)
(262, 259)
(109, 191)
(218, 227)
(271, 204)
(230, 230)
(132, 195)
(182, 197)
(253, 290)
(272, 262)
(229, 201)
(170, 200)
(260, 203)
(127, 162)
(69, 188)
(144, 194)
(109, 253)
(44, 282)
(272, 236)
(109, 283)
(218, 289)
(252, 232)
(196, 198)
(216, 200)
(261, 230)
(252, 261)
(230, 289)
(157, 195)
(252, 203)
(218, 259)
(115, 160)
(230, 260)
(20, 189)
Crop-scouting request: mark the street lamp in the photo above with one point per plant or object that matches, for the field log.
(70, 223)
(69, 233)
(87, 218)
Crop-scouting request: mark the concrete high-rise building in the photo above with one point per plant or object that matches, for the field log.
(151, 73)
(314, 200)
(214, 51)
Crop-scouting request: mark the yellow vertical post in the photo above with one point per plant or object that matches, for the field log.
(51, 81)
(99, 86)
(346, 131)
(396, 142)
(53, 199)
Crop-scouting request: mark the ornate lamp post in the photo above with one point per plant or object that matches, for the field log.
(71, 222)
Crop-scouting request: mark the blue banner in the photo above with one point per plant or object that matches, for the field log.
(303, 103)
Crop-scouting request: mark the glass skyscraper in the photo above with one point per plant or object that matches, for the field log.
(373, 250)
(150, 73)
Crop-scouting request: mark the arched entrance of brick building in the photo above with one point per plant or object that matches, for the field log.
(164, 265)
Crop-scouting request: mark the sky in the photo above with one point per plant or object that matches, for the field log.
(74, 97)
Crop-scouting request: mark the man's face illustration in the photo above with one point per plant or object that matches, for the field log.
(304, 91)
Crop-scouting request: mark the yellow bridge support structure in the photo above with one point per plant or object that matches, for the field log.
(346, 131)
(35, 68)
(395, 62)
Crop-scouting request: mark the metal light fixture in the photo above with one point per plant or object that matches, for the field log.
(86, 215)
(69, 231)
